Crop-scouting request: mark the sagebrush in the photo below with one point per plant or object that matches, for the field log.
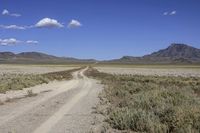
(20, 81)
(153, 104)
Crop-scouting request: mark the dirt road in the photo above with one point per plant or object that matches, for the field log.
(66, 108)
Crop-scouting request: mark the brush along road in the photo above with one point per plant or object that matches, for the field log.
(65, 108)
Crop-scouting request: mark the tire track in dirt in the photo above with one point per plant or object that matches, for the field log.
(43, 114)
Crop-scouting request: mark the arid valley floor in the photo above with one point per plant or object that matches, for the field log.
(73, 98)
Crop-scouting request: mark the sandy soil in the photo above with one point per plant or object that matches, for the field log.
(186, 72)
(32, 69)
(61, 107)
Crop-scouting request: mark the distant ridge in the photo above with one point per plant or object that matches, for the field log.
(37, 57)
(175, 53)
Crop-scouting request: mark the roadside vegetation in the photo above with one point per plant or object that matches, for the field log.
(152, 104)
(20, 81)
(156, 66)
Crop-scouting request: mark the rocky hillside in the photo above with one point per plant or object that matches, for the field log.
(178, 51)
(175, 53)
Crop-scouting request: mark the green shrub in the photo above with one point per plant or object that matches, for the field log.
(151, 104)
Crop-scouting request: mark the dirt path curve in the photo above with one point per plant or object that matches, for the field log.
(67, 108)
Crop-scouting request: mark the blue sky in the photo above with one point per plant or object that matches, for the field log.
(100, 29)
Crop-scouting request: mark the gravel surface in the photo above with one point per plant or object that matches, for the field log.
(65, 107)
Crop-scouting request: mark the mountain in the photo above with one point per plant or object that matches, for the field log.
(175, 53)
(6, 55)
(37, 57)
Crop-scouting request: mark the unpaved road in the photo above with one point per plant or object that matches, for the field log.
(67, 108)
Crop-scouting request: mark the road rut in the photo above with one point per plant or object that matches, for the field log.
(66, 109)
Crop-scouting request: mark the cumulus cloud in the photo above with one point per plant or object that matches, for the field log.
(10, 41)
(48, 23)
(74, 23)
(15, 27)
(170, 13)
(6, 12)
(173, 13)
(43, 23)
(13, 41)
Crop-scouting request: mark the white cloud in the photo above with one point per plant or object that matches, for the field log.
(48, 23)
(15, 27)
(6, 12)
(173, 13)
(13, 41)
(170, 13)
(10, 41)
(15, 15)
(31, 42)
(74, 23)
(43, 23)
(165, 13)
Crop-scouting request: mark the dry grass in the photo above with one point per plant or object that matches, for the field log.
(154, 70)
(20, 81)
(33, 69)
(152, 104)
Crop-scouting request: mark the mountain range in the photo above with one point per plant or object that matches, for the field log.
(38, 58)
(175, 53)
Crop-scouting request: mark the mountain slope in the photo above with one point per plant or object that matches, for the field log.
(37, 57)
(6, 55)
(175, 53)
